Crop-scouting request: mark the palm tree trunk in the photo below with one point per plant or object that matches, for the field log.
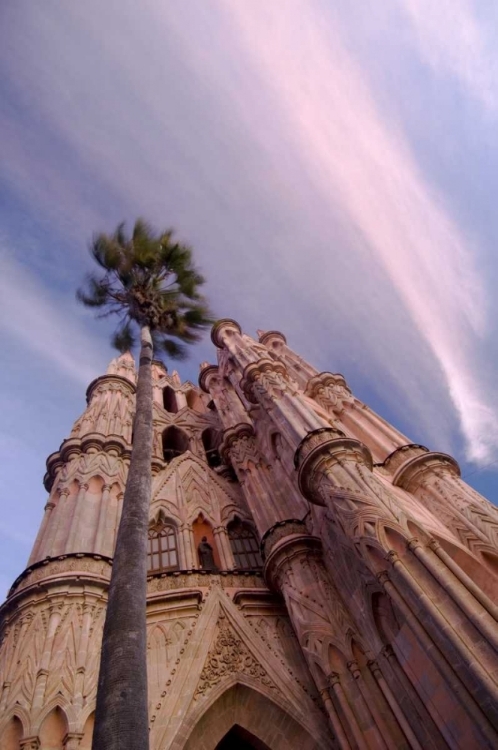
(121, 721)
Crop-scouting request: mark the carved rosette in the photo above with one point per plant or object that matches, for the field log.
(330, 391)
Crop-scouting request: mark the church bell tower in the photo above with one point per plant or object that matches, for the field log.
(315, 580)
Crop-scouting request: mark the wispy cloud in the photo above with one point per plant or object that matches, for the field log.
(258, 132)
(356, 157)
(31, 315)
(452, 39)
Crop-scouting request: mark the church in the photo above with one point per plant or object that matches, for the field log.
(315, 580)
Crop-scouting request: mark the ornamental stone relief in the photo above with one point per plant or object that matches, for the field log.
(330, 392)
(228, 656)
(70, 565)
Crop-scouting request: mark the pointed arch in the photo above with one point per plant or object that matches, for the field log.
(162, 546)
(260, 717)
(53, 729)
(478, 570)
(244, 544)
(169, 400)
(203, 530)
(211, 440)
(10, 736)
(86, 740)
(175, 442)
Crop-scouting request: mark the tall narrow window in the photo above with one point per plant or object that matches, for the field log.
(210, 441)
(169, 400)
(175, 442)
(244, 545)
(162, 553)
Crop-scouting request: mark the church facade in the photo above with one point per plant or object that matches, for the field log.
(315, 580)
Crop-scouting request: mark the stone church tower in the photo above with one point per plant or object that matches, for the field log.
(315, 580)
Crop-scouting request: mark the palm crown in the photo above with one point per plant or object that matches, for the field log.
(149, 280)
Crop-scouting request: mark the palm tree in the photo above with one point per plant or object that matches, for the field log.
(151, 282)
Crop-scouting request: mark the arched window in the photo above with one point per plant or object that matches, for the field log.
(175, 442)
(169, 400)
(162, 552)
(244, 545)
(210, 441)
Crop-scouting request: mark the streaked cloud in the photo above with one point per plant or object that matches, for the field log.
(453, 39)
(29, 313)
(260, 134)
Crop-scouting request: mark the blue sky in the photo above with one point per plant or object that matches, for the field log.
(334, 166)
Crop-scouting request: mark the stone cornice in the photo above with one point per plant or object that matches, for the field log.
(330, 445)
(52, 570)
(206, 372)
(218, 327)
(231, 435)
(284, 543)
(280, 530)
(267, 335)
(108, 379)
(324, 379)
(401, 455)
(410, 473)
(76, 446)
(254, 370)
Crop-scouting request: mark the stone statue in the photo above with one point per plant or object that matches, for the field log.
(206, 557)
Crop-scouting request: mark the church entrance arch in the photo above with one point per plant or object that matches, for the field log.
(238, 738)
(245, 719)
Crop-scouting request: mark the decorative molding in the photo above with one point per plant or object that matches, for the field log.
(228, 656)
(73, 564)
(265, 336)
(107, 379)
(264, 381)
(281, 530)
(411, 472)
(218, 328)
(330, 391)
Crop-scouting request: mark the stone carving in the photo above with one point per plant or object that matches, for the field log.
(62, 567)
(228, 656)
(330, 392)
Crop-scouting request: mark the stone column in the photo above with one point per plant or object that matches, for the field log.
(44, 530)
(334, 680)
(81, 657)
(442, 664)
(100, 532)
(294, 567)
(42, 673)
(369, 708)
(72, 741)
(460, 595)
(224, 548)
(30, 743)
(394, 705)
(79, 509)
(335, 721)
